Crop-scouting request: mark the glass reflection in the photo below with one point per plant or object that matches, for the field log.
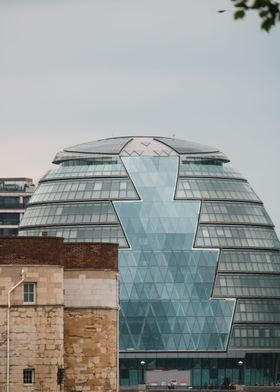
(165, 283)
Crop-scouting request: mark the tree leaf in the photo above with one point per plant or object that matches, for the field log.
(267, 24)
(239, 14)
(268, 10)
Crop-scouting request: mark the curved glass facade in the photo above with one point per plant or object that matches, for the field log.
(199, 258)
(166, 294)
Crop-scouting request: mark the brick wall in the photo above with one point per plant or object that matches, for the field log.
(31, 250)
(86, 255)
(52, 251)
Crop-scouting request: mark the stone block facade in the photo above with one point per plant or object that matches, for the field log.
(72, 321)
(92, 358)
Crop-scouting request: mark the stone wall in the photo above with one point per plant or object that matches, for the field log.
(36, 341)
(90, 350)
(90, 288)
(90, 330)
(48, 279)
(36, 330)
(76, 310)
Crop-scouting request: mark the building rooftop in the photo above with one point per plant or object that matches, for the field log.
(138, 146)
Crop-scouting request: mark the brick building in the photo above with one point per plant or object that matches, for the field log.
(62, 318)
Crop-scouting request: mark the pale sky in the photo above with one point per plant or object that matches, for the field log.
(76, 71)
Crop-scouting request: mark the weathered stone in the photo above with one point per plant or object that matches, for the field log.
(82, 337)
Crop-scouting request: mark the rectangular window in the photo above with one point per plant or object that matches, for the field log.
(28, 376)
(29, 293)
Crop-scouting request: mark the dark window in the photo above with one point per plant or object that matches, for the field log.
(28, 376)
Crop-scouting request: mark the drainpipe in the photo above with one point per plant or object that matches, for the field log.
(118, 326)
(8, 328)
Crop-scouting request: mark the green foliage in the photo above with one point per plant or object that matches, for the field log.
(239, 14)
(269, 11)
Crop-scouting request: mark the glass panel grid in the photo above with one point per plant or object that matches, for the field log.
(236, 237)
(249, 261)
(109, 188)
(11, 202)
(184, 146)
(213, 189)
(99, 170)
(9, 185)
(71, 213)
(166, 285)
(102, 146)
(8, 232)
(255, 336)
(257, 311)
(206, 170)
(9, 218)
(222, 212)
(247, 285)
(98, 233)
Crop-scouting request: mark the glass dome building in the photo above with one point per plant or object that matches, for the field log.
(199, 258)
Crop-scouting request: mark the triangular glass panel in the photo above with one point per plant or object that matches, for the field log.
(134, 294)
(191, 345)
(188, 290)
(135, 339)
(177, 327)
(133, 271)
(180, 287)
(156, 274)
(123, 292)
(196, 327)
(191, 309)
(165, 293)
(153, 293)
(165, 339)
(168, 277)
(175, 295)
(185, 327)
(177, 339)
(131, 309)
(200, 310)
(164, 327)
(169, 288)
(138, 278)
(159, 288)
(195, 339)
(141, 272)
(147, 289)
(171, 310)
(148, 276)
(171, 344)
(173, 271)
(123, 328)
(180, 310)
(190, 321)
(139, 288)
(180, 277)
